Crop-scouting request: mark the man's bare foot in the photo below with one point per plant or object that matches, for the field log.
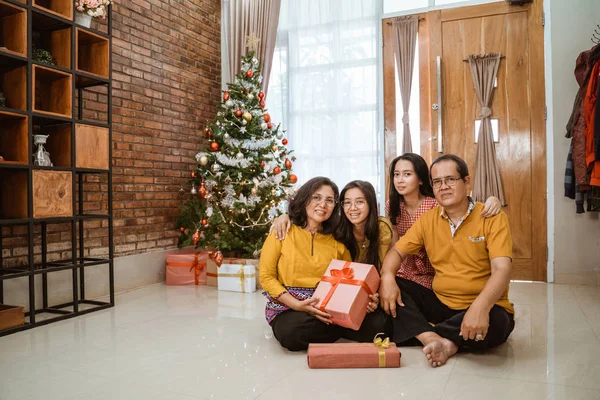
(439, 351)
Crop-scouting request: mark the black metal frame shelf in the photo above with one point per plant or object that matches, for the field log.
(42, 20)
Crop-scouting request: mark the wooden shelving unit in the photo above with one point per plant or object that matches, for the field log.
(47, 99)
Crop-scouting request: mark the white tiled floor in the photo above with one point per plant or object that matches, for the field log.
(197, 343)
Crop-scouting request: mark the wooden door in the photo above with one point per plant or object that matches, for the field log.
(447, 37)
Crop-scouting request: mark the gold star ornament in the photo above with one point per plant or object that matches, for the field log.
(252, 42)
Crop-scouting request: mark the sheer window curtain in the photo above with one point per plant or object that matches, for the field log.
(323, 87)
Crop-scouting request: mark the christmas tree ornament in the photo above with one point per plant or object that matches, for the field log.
(226, 136)
(218, 258)
(284, 142)
(279, 135)
(181, 192)
(254, 190)
(242, 211)
(194, 190)
(261, 95)
(293, 178)
(288, 163)
(238, 113)
(181, 229)
(262, 104)
(214, 146)
(293, 158)
(207, 132)
(250, 96)
(270, 125)
(273, 192)
(202, 190)
(227, 179)
(225, 96)
(215, 168)
(196, 237)
(203, 160)
(263, 126)
(267, 117)
(239, 155)
(193, 174)
(229, 103)
(244, 122)
(204, 222)
(262, 164)
(276, 170)
(247, 116)
(274, 148)
(249, 73)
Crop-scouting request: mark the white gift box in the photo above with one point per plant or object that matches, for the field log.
(237, 278)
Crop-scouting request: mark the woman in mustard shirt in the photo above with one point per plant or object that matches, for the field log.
(291, 269)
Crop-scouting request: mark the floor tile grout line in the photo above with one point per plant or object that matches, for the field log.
(584, 314)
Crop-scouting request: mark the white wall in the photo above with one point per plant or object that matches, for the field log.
(574, 239)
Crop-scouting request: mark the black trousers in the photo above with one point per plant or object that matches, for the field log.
(296, 329)
(421, 306)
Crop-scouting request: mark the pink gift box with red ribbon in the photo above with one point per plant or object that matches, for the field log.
(344, 292)
(186, 268)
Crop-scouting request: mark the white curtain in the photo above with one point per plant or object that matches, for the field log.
(324, 87)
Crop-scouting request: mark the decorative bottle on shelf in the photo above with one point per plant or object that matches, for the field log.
(41, 158)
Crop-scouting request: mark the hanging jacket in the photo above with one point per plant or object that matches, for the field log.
(583, 68)
(589, 110)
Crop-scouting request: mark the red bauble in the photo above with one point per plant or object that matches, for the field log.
(262, 164)
(270, 125)
(196, 237)
(267, 117)
(193, 174)
(238, 113)
(204, 222)
(276, 170)
(225, 96)
(262, 104)
(261, 95)
(288, 163)
(202, 190)
(208, 133)
(249, 73)
(182, 229)
(218, 258)
(214, 146)
(293, 178)
(284, 142)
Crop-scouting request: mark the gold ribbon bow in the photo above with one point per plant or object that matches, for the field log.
(381, 345)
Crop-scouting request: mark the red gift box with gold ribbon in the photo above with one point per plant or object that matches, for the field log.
(186, 268)
(344, 292)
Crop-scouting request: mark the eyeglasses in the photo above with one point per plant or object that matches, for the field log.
(317, 199)
(448, 180)
(358, 203)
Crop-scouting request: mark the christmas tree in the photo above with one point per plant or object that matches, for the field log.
(242, 180)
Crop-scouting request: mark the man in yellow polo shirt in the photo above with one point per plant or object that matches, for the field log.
(472, 258)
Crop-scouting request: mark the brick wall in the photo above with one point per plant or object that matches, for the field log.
(166, 82)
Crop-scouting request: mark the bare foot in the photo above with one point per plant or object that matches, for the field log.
(439, 351)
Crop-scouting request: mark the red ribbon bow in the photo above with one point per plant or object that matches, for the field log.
(344, 275)
(197, 268)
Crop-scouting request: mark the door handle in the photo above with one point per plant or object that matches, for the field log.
(439, 105)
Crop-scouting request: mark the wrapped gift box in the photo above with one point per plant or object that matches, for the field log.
(353, 355)
(344, 292)
(212, 269)
(237, 278)
(186, 268)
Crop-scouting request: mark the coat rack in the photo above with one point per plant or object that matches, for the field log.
(596, 35)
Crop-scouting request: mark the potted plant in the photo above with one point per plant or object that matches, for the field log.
(91, 8)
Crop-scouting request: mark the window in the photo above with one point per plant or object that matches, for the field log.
(323, 87)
